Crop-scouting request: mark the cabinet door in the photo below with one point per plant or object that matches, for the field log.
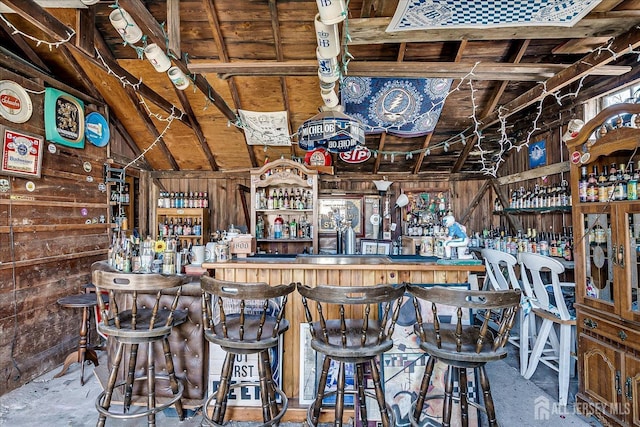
(595, 238)
(601, 377)
(632, 390)
(627, 266)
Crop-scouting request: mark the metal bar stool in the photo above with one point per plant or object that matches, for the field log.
(83, 353)
(245, 318)
(461, 345)
(130, 323)
(348, 339)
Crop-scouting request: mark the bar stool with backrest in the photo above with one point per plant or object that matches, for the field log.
(555, 333)
(501, 275)
(245, 318)
(131, 324)
(460, 345)
(353, 337)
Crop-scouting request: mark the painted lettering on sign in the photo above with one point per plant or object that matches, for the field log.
(359, 154)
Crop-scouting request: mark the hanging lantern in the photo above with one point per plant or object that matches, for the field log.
(332, 130)
(125, 25)
(157, 57)
(327, 37)
(332, 11)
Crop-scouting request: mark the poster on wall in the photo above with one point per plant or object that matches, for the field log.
(537, 154)
(63, 118)
(21, 153)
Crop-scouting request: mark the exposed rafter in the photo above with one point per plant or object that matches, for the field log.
(456, 70)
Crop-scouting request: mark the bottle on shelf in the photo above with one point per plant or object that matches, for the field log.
(277, 227)
(582, 184)
(592, 186)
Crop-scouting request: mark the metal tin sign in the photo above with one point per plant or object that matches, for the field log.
(63, 118)
(360, 154)
(21, 153)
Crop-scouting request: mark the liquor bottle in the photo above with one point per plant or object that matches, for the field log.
(260, 227)
(621, 183)
(592, 186)
(293, 228)
(187, 229)
(582, 184)
(632, 184)
(277, 227)
(603, 184)
(286, 202)
(271, 200)
(172, 200)
(205, 200)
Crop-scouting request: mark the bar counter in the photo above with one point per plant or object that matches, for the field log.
(343, 270)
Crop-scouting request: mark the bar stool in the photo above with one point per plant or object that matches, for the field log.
(83, 353)
(348, 339)
(131, 324)
(244, 318)
(460, 345)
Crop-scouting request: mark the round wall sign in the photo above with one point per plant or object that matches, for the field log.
(15, 103)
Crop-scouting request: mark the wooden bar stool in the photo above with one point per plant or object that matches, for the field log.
(83, 353)
(130, 324)
(245, 318)
(349, 339)
(462, 345)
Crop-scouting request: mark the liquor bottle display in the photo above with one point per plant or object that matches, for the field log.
(284, 207)
(606, 244)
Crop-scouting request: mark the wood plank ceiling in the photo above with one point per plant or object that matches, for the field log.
(260, 55)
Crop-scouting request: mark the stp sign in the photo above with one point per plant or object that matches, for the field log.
(359, 154)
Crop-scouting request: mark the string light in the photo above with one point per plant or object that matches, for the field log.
(123, 80)
(35, 39)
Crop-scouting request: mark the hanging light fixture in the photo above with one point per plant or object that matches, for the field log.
(125, 25)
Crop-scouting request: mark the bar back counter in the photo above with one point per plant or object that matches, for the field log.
(349, 270)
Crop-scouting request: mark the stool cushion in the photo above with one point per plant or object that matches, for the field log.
(353, 349)
(143, 320)
(447, 350)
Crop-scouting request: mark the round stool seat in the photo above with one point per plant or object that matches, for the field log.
(83, 353)
(78, 301)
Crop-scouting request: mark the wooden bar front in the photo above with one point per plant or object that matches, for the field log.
(288, 270)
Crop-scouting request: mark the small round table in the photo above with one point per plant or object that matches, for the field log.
(83, 353)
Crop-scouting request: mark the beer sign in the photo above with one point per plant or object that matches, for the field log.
(360, 154)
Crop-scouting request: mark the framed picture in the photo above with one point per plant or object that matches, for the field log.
(335, 209)
(308, 380)
(332, 381)
(21, 153)
(375, 247)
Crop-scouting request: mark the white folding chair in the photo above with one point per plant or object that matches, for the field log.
(501, 275)
(555, 342)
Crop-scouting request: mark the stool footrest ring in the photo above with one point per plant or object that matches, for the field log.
(149, 411)
(275, 421)
(392, 419)
(415, 423)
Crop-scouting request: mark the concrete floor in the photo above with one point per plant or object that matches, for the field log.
(49, 401)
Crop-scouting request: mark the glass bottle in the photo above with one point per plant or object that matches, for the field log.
(277, 227)
(592, 187)
(582, 184)
(632, 184)
(621, 183)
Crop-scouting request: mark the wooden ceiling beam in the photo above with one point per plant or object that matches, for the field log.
(421, 156)
(585, 66)
(218, 38)
(173, 27)
(482, 71)
(143, 89)
(492, 103)
(275, 29)
(202, 140)
(129, 141)
(24, 47)
(152, 29)
(151, 127)
(598, 24)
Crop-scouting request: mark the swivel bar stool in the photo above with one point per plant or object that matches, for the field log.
(460, 345)
(130, 324)
(244, 318)
(348, 339)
